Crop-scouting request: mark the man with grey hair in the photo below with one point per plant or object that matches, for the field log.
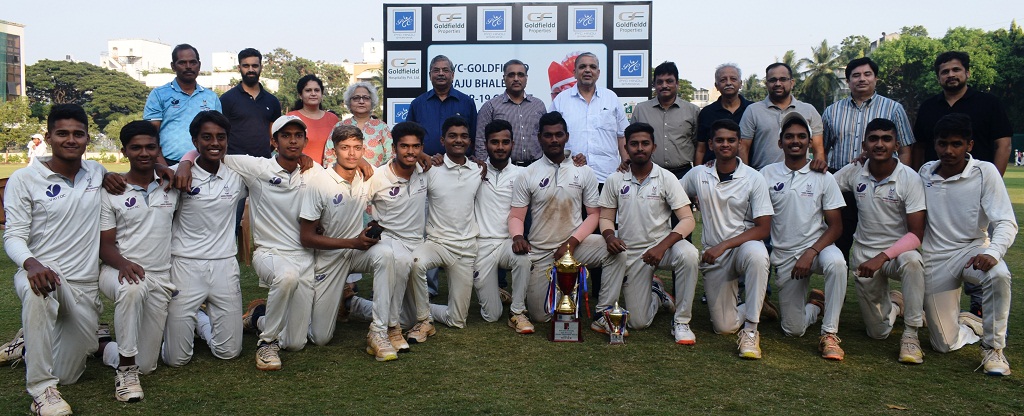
(730, 105)
(436, 105)
(517, 107)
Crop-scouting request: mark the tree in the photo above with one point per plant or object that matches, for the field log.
(102, 92)
(113, 129)
(905, 70)
(378, 83)
(917, 30)
(980, 46)
(1008, 47)
(853, 47)
(754, 89)
(820, 80)
(281, 64)
(686, 89)
(17, 124)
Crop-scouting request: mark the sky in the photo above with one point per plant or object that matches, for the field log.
(696, 35)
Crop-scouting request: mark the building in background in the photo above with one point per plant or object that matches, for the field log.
(370, 66)
(12, 64)
(136, 57)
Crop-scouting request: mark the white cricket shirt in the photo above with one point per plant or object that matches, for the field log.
(882, 206)
(644, 209)
(556, 195)
(142, 218)
(451, 193)
(205, 225)
(274, 203)
(494, 200)
(398, 203)
(800, 199)
(727, 208)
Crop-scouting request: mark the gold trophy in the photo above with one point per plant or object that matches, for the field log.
(567, 274)
(616, 318)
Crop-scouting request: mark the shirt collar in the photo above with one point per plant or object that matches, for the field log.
(46, 172)
(655, 172)
(805, 169)
(526, 98)
(675, 102)
(450, 164)
(892, 176)
(549, 162)
(971, 162)
(389, 173)
(176, 87)
(338, 179)
(736, 174)
(866, 102)
(201, 174)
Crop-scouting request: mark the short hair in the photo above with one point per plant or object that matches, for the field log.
(791, 121)
(138, 128)
(183, 46)
(739, 72)
(208, 116)
(882, 124)
(640, 127)
(407, 128)
(954, 125)
(504, 68)
(453, 121)
(345, 131)
(249, 53)
(65, 112)
(947, 56)
(776, 65)
(861, 62)
(590, 54)
(551, 119)
(495, 126)
(351, 90)
(725, 123)
(441, 58)
(301, 85)
(666, 68)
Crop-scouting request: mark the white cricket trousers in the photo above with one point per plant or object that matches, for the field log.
(944, 275)
(458, 266)
(493, 254)
(214, 282)
(591, 252)
(332, 270)
(632, 277)
(140, 314)
(873, 292)
(797, 316)
(289, 275)
(721, 283)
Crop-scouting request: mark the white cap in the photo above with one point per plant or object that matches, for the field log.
(284, 121)
(37, 136)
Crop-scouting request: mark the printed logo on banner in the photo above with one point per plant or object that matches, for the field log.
(586, 22)
(449, 23)
(398, 110)
(404, 69)
(540, 22)
(632, 22)
(492, 23)
(403, 24)
(630, 69)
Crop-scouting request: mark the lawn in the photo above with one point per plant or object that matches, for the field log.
(487, 368)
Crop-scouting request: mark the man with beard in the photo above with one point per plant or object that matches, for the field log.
(762, 122)
(730, 105)
(673, 119)
(250, 108)
(173, 106)
(518, 108)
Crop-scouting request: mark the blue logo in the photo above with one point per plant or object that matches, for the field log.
(130, 202)
(53, 190)
(405, 21)
(401, 112)
(394, 191)
(275, 181)
(861, 187)
(194, 191)
(779, 186)
(631, 66)
(494, 20)
(586, 19)
(337, 199)
(625, 189)
(320, 277)
(544, 182)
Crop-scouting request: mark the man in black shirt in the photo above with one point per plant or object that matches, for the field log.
(250, 109)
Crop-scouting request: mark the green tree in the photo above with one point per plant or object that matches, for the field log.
(917, 30)
(686, 89)
(1008, 47)
(853, 47)
(17, 124)
(980, 46)
(102, 92)
(113, 128)
(288, 68)
(905, 70)
(378, 83)
(820, 80)
(754, 89)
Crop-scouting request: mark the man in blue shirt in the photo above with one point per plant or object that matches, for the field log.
(435, 106)
(173, 106)
(250, 108)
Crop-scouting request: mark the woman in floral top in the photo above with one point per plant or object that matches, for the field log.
(361, 98)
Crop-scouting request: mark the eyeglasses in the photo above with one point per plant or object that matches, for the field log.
(361, 98)
(440, 70)
(779, 79)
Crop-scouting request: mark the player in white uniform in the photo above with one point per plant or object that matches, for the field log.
(965, 198)
(556, 192)
(203, 249)
(644, 199)
(890, 222)
(336, 200)
(737, 215)
(135, 246)
(806, 223)
(494, 247)
(53, 235)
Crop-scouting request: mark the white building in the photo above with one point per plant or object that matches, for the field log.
(135, 56)
(225, 61)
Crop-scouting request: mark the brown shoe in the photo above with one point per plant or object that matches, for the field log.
(379, 347)
(769, 311)
(828, 345)
(520, 323)
(419, 332)
(346, 294)
(817, 297)
(397, 340)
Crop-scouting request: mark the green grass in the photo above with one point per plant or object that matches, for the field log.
(486, 368)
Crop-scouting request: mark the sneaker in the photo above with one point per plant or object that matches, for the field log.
(828, 346)
(506, 297)
(377, 345)
(520, 323)
(419, 332)
(397, 340)
(103, 333)
(601, 326)
(13, 350)
(994, 362)
(769, 311)
(896, 297)
(267, 357)
(127, 387)
(910, 351)
(817, 297)
(683, 334)
(50, 404)
(667, 301)
(974, 322)
(253, 312)
(749, 344)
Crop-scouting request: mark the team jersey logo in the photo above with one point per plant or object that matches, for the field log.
(778, 186)
(320, 277)
(625, 189)
(275, 181)
(337, 199)
(544, 182)
(194, 191)
(476, 276)
(130, 202)
(53, 190)
(394, 191)
(861, 187)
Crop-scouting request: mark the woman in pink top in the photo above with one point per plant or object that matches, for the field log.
(319, 122)
(361, 98)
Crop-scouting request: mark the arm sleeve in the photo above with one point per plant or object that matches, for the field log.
(831, 196)
(842, 177)
(107, 219)
(609, 196)
(760, 201)
(153, 109)
(521, 192)
(997, 206)
(18, 208)
(815, 121)
(828, 137)
(312, 202)
(245, 165)
(620, 120)
(913, 193)
(388, 142)
(747, 126)
(675, 196)
(216, 102)
(903, 128)
(590, 194)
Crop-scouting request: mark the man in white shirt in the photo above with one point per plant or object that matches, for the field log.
(52, 235)
(805, 226)
(890, 223)
(644, 200)
(737, 215)
(966, 197)
(36, 148)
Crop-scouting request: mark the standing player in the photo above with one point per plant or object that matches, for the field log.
(52, 234)
(890, 223)
(737, 216)
(644, 199)
(965, 198)
(806, 224)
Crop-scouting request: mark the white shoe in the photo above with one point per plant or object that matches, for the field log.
(994, 362)
(749, 344)
(13, 350)
(683, 334)
(267, 357)
(127, 387)
(50, 404)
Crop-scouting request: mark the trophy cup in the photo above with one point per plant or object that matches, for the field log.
(616, 318)
(569, 278)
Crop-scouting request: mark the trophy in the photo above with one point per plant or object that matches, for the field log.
(569, 286)
(616, 318)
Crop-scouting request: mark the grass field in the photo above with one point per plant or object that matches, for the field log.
(488, 369)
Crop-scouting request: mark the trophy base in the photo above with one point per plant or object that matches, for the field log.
(616, 339)
(565, 328)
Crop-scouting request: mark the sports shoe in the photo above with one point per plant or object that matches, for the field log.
(50, 404)
(13, 350)
(601, 326)
(506, 298)
(683, 334)
(817, 297)
(896, 297)
(397, 340)
(667, 301)
(103, 333)
(346, 294)
(379, 347)
(769, 311)
(419, 332)
(127, 387)
(974, 322)
(749, 344)
(267, 357)
(520, 323)
(253, 312)
(994, 362)
(910, 351)
(828, 346)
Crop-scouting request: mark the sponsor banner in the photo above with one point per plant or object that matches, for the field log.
(631, 22)
(586, 22)
(404, 69)
(631, 69)
(540, 23)
(494, 23)
(398, 110)
(404, 24)
(448, 23)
